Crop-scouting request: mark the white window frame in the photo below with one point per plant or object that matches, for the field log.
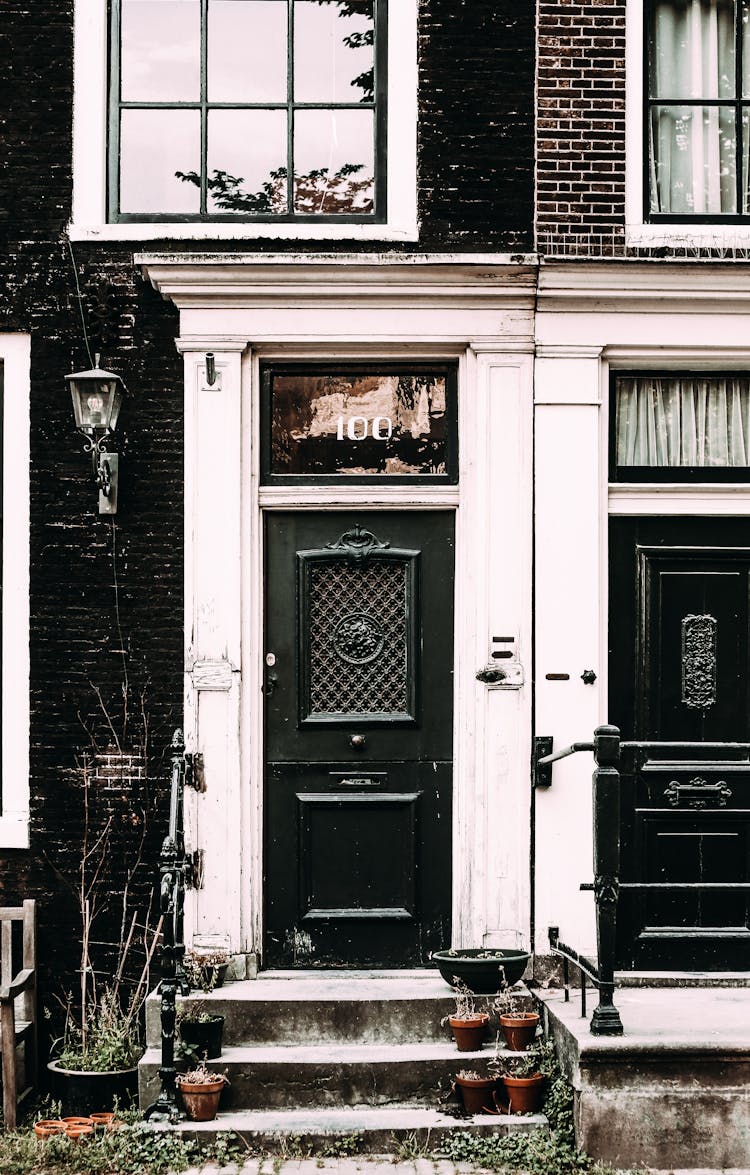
(15, 354)
(637, 231)
(90, 123)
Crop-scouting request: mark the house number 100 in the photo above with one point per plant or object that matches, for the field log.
(358, 428)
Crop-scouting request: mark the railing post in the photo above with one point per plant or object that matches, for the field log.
(606, 798)
(171, 869)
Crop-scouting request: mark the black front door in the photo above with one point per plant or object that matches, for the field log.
(680, 690)
(359, 706)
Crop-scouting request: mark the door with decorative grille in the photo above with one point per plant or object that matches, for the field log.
(680, 692)
(359, 708)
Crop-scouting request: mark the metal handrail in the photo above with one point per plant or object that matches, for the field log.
(174, 869)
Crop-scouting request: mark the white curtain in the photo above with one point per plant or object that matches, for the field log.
(683, 420)
(692, 147)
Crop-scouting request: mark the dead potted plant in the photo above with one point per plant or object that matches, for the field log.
(524, 1076)
(518, 1025)
(476, 1092)
(200, 1089)
(206, 970)
(94, 1060)
(467, 1024)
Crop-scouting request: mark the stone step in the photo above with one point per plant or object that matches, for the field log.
(358, 1130)
(673, 1090)
(330, 1075)
(310, 1008)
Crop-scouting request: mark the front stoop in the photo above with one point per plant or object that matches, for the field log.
(309, 1056)
(674, 1090)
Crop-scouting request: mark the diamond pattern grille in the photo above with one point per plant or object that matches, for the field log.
(358, 637)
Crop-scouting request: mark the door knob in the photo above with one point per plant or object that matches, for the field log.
(357, 742)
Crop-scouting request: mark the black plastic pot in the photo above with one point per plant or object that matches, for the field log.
(85, 1092)
(204, 1036)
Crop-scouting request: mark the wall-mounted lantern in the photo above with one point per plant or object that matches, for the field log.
(97, 398)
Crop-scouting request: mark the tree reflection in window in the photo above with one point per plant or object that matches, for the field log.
(309, 107)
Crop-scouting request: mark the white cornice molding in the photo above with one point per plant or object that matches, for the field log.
(209, 279)
(682, 287)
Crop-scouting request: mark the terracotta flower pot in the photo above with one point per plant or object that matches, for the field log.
(201, 1100)
(76, 1133)
(104, 1120)
(476, 1093)
(48, 1127)
(77, 1120)
(524, 1093)
(520, 1030)
(468, 1032)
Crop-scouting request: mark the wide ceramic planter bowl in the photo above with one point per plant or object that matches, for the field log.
(480, 969)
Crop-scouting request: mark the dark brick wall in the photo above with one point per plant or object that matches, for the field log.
(581, 127)
(78, 649)
(476, 124)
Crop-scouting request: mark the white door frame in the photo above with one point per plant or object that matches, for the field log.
(476, 310)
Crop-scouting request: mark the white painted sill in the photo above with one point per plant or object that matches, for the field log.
(206, 231)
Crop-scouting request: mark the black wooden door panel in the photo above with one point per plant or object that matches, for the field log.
(359, 636)
(679, 648)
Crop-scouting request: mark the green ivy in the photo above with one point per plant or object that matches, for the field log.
(534, 1153)
(132, 1150)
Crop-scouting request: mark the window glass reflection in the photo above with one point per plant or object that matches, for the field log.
(359, 423)
(334, 168)
(247, 161)
(156, 145)
(247, 51)
(333, 51)
(160, 51)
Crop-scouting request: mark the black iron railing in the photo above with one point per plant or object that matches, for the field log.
(174, 870)
(605, 1020)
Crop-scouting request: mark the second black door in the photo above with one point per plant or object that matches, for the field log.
(359, 689)
(680, 690)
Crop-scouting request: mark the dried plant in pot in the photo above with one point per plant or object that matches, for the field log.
(524, 1076)
(206, 970)
(467, 1024)
(99, 1040)
(200, 1089)
(476, 1092)
(518, 1025)
(483, 970)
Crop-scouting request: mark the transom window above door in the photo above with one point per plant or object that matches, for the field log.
(247, 110)
(697, 110)
(367, 422)
(680, 426)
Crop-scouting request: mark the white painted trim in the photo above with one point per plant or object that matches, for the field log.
(15, 354)
(90, 148)
(708, 500)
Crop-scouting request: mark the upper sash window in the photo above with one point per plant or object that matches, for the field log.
(248, 110)
(698, 110)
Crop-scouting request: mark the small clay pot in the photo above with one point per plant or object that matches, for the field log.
(76, 1133)
(519, 1031)
(77, 1120)
(48, 1127)
(524, 1093)
(201, 1099)
(104, 1120)
(468, 1032)
(476, 1093)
